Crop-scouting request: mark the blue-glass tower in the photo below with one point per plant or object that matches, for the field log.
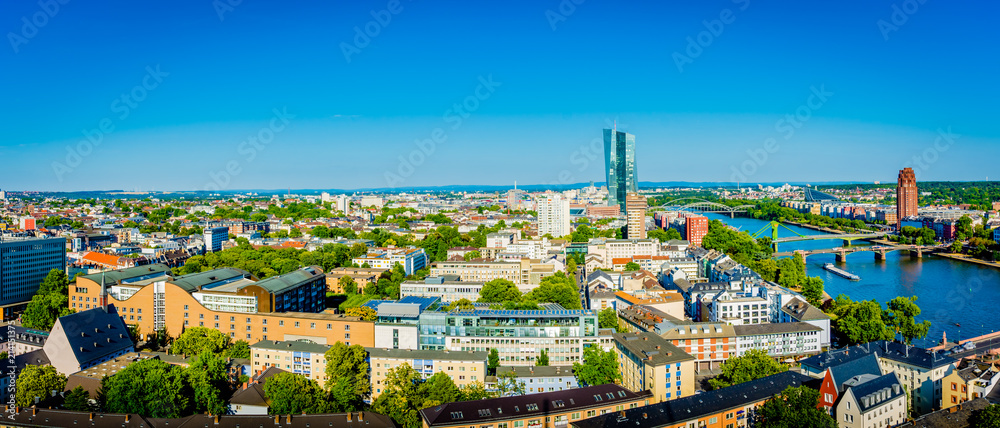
(619, 160)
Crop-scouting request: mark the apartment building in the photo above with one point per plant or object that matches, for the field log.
(779, 340)
(553, 215)
(361, 276)
(729, 407)
(439, 287)
(610, 249)
(302, 356)
(635, 213)
(650, 362)
(518, 336)
(872, 402)
(463, 368)
(711, 344)
(547, 409)
(524, 271)
(412, 259)
(974, 381)
(285, 307)
(539, 378)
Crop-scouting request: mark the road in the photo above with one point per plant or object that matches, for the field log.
(982, 347)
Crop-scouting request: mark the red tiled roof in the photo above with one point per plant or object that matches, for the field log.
(101, 259)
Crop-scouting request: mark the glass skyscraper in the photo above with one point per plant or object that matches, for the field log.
(619, 160)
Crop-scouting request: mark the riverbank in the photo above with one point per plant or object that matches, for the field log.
(968, 259)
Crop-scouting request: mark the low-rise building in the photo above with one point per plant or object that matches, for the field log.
(412, 259)
(548, 409)
(779, 340)
(650, 362)
(710, 344)
(463, 368)
(361, 276)
(88, 338)
(539, 378)
(974, 381)
(872, 402)
(303, 357)
(441, 288)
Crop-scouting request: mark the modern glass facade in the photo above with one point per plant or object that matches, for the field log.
(25, 262)
(619, 161)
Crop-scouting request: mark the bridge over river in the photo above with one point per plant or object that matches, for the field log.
(916, 251)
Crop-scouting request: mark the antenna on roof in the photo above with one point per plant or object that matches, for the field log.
(104, 293)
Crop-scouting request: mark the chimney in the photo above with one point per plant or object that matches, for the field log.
(623, 413)
(216, 419)
(34, 411)
(127, 417)
(348, 416)
(288, 420)
(277, 419)
(361, 416)
(91, 416)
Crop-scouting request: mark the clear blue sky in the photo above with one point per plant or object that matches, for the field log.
(561, 75)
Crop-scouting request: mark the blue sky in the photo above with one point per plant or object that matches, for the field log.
(869, 96)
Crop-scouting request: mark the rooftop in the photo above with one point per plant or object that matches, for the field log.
(652, 349)
(536, 371)
(894, 351)
(137, 273)
(774, 328)
(421, 354)
(301, 345)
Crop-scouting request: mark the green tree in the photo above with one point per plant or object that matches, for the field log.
(471, 255)
(543, 358)
(37, 381)
(752, 365)
(78, 400)
(207, 376)
(438, 389)
(43, 310)
(559, 289)
(794, 408)
(608, 318)
(509, 385)
(347, 376)
(899, 315)
(498, 291)
(292, 394)
(461, 305)
(861, 322)
(196, 340)
(599, 367)
(476, 391)
(55, 282)
(812, 290)
(295, 233)
(571, 266)
(364, 312)
(151, 388)
(493, 361)
(400, 399)
(239, 349)
(956, 247)
(348, 285)
(986, 418)
(664, 235)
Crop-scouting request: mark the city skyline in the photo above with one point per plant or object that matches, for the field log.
(252, 93)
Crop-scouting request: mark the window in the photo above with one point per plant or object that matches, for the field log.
(329, 326)
(296, 324)
(312, 325)
(281, 322)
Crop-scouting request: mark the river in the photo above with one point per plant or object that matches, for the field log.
(948, 292)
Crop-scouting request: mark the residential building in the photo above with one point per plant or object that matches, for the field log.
(412, 259)
(518, 336)
(214, 237)
(361, 276)
(25, 339)
(650, 362)
(284, 307)
(953, 417)
(610, 249)
(540, 378)
(523, 271)
(619, 162)
(397, 322)
(836, 376)
(975, 380)
(87, 338)
(729, 407)
(670, 303)
(24, 263)
(906, 195)
(45, 417)
(547, 409)
(635, 210)
(798, 310)
(872, 402)
(710, 344)
(695, 229)
(302, 356)
(463, 367)
(553, 215)
(779, 340)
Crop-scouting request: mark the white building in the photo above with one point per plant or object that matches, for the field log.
(553, 215)
(447, 291)
(779, 340)
(412, 259)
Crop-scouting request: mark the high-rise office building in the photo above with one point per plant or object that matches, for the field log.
(619, 160)
(906, 195)
(214, 237)
(635, 210)
(24, 263)
(553, 215)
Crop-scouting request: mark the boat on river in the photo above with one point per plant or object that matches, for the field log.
(840, 272)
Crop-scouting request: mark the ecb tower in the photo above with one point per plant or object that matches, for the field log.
(619, 160)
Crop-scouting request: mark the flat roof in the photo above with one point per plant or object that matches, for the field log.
(421, 354)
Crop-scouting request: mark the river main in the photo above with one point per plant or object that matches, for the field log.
(960, 299)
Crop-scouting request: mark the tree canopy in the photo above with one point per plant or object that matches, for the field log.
(754, 364)
(196, 340)
(794, 408)
(347, 376)
(37, 381)
(150, 388)
(557, 288)
(599, 367)
(49, 303)
(986, 418)
(293, 394)
(499, 291)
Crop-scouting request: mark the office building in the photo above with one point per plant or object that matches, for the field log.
(548, 409)
(285, 307)
(518, 336)
(463, 368)
(650, 362)
(214, 237)
(438, 287)
(24, 263)
(302, 356)
(540, 378)
(619, 161)
(411, 259)
(779, 340)
(906, 195)
(553, 215)
(635, 210)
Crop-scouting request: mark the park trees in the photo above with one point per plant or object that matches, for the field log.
(292, 394)
(150, 388)
(196, 340)
(752, 365)
(794, 408)
(37, 381)
(347, 376)
(499, 291)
